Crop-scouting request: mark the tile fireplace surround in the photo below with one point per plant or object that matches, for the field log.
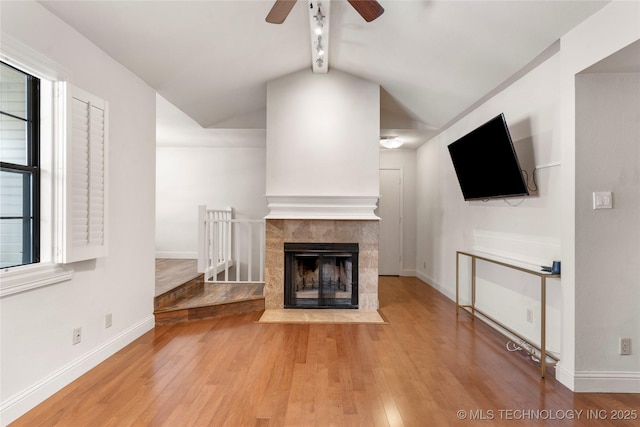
(363, 232)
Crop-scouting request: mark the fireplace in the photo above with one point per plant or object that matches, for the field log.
(321, 275)
(364, 233)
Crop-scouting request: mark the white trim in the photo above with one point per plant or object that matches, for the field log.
(607, 382)
(322, 207)
(565, 377)
(528, 249)
(27, 277)
(19, 404)
(437, 286)
(401, 213)
(409, 272)
(212, 138)
(549, 165)
(177, 254)
(27, 59)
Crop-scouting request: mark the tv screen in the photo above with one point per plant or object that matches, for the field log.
(486, 163)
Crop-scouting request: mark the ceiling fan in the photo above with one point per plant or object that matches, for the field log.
(368, 9)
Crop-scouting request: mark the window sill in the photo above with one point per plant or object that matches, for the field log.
(28, 277)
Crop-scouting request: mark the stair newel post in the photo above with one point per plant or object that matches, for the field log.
(263, 247)
(226, 245)
(202, 238)
(250, 253)
(229, 241)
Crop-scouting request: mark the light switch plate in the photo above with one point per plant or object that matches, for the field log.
(602, 200)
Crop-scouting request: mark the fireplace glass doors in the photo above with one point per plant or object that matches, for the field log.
(321, 275)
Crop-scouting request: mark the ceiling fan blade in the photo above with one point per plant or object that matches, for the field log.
(368, 9)
(280, 11)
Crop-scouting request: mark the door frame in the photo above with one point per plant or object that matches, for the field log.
(401, 213)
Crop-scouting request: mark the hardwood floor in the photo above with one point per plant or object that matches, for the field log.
(420, 369)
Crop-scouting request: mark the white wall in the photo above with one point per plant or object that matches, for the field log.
(614, 27)
(405, 160)
(217, 177)
(607, 241)
(37, 353)
(322, 135)
(195, 166)
(540, 110)
(446, 223)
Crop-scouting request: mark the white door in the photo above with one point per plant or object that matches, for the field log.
(389, 211)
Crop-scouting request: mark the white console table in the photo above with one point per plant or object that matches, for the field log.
(485, 318)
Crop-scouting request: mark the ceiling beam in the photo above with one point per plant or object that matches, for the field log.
(319, 34)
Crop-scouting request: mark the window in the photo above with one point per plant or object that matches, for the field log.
(19, 167)
(53, 182)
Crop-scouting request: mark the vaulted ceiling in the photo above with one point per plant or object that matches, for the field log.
(432, 59)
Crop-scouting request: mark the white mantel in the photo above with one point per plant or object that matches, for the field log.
(322, 207)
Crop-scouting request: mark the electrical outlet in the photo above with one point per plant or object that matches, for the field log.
(424, 264)
(529, 315)
(108, 320)
(625, 346)
(77, 336)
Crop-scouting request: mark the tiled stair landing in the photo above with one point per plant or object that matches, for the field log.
(189, 298)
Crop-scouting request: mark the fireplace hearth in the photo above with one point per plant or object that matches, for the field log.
(321, 275)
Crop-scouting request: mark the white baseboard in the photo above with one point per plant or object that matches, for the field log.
(565, 377)
(599, 381)
(19, 404)
(420, 275)
(451, 294)
(177, 255)
(408, 273)
(607, 382)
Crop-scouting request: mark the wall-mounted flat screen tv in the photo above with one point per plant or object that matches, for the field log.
(486, 163)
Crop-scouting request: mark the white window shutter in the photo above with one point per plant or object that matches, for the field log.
(85, 163)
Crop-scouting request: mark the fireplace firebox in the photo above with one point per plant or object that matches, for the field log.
(321, 275)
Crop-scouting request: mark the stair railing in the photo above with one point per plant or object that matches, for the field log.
(229, 249)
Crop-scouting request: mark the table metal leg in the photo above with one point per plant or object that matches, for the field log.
(457, 281)
(473, 286)
(543, 325)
